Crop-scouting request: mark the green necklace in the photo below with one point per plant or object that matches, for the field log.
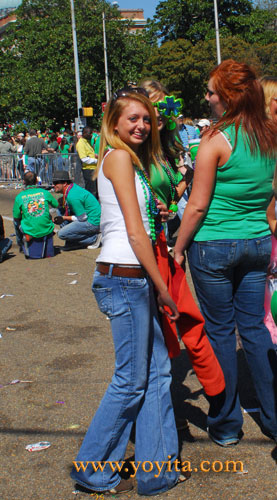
(151, 203)
(172, 183)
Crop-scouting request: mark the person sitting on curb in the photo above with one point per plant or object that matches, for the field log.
(5, 243)
(80, 214)
(32, 220)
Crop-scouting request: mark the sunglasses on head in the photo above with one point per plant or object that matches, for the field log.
(125, 91)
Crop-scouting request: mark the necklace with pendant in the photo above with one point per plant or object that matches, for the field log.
(172, 184)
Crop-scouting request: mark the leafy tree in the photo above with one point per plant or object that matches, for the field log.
(184, 68)
(268, 58)
(193, 20)
(37, 62)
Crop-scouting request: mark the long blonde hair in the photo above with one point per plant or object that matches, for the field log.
(149, 152)
(269, 85)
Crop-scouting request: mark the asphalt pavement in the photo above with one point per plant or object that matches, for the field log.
(57, 344)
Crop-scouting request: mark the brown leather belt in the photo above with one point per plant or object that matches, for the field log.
(122, 271)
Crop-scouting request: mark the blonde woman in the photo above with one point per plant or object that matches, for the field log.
(126, 284)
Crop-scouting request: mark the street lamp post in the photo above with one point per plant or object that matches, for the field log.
(106, 58)
(217, 33)
(76, 61)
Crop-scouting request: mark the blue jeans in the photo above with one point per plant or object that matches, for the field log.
(5, 245)
(34, 164)
(79, 232)
(229, 278)
(139, 391)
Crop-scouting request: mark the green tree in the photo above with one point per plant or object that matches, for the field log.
(37, 62)
(268, 59)
(184, 68)
(193, 20)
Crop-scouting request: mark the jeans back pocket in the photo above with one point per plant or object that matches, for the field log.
(104, 299)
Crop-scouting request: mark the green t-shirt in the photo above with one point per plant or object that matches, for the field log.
(80, 201)
(97, 145)
(242, 192)
(64, 151)
(32, 207)
(162, 184)
(93, 138)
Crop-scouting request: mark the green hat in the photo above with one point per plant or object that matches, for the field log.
(273, 306)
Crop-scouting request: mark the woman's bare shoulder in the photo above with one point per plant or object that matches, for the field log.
(214, 138)
(117, 161)
(118, 154)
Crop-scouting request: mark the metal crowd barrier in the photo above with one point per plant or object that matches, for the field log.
(12, 171)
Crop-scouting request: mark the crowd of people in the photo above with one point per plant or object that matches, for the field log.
(48, 151)
(151, 166)
(41, 152)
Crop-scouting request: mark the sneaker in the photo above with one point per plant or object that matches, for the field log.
(225, 442)
(97, 242)
(76, 246)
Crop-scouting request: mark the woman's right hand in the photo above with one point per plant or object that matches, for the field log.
(164, 299)
(180, 259)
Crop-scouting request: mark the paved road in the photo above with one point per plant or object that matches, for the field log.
(54, 336)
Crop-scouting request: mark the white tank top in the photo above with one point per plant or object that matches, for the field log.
(116, 248)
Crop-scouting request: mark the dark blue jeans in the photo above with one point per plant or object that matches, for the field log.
(229, 278)
(5, 245)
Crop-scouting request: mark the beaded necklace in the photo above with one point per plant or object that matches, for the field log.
(172, 183)
(151, 202)
(65, 193)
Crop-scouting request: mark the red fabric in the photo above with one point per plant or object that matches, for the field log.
(190, 324)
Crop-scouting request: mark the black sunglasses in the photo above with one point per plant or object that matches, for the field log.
(210, 92)
(125, 91)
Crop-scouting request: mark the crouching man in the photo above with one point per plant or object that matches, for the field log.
(32, 220)
(80, 214)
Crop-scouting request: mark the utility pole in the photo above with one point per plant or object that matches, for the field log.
(217, 33)
(106, 59)
(76, 61)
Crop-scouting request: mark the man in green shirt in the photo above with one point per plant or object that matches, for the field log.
(80, 219)
(31, 214)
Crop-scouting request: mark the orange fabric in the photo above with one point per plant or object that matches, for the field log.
(190, 324)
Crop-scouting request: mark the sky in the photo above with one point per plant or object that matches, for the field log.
(149, 6)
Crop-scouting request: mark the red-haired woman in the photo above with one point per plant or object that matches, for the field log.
(225, 230)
